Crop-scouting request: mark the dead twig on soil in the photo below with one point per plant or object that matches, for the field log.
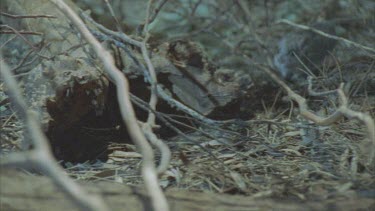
(340, 112)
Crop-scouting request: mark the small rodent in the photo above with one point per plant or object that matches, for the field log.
(303, 46)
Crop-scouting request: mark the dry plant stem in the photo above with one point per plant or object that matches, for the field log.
(366, 119)
(302, 103)
(8, 41)
(156, 11)
(113, 15)
(207, 26)
(151, 70)
(163, 148)
(363, 80)
(147, 128)
(20, 64)
(346, 111)
(182, 107)
(25, 16)
(342, 111)
(145, 27)
(20, 35)
(317, 94)
(149, 174)
(119, 35)
(22, 32)
(250, 24)
(41, 156)
(153, 97)
(194, 9)
(328, 35)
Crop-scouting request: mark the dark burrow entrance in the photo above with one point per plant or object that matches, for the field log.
(89, 138)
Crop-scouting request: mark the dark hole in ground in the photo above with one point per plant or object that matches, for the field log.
(88, 139)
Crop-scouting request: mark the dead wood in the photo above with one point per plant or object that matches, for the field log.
(25, 192)
(66, 84)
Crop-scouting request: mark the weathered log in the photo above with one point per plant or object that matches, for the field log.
(20, 191)
(67, 85)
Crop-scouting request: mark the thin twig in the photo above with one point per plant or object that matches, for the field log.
(25, 16)
(349, 42)
(148, 127)
(157, 9)
(113, 15)
(8, 41)
(121, 36)
(22, 32)
(149, 174)
(151, 69)
(20, 35)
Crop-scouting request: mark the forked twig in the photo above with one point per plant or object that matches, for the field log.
(342, 111)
